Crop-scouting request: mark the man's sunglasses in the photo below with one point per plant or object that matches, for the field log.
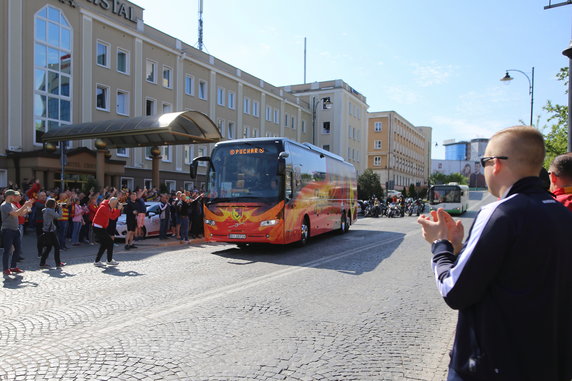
(487, 158)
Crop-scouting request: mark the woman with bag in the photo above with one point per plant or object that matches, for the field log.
(49, 237)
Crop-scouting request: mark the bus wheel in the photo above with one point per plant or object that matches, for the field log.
(343, 224)
(305, 232)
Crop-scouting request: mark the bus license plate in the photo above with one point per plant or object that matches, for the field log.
(237, 236)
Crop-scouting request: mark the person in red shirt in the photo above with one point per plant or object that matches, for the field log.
(92, 209)
(107, 210)
(561, 179)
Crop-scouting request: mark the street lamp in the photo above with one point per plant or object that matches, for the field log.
(568, 53)
(326, 104)
(507, 77)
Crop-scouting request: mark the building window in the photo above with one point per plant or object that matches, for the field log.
(255, 132)
(188, 154)
(230, 130)
(166, 153)
(102, 53)
(151, 71)
(123, 152)
(255, 109)
(202, 151)
(203, 94)
(378, 126)
(122, 61)
(326, 128)
(102, 97)
(189, 85)
(122, 102)
(220, 125)
(276, 116)
(150, 106)
(127, 183)
(188, 185)
(304, 126)
(167, 107)
(52, 80)
(171, 185)
(286, 120)
(326, 147)
(268, 113)
(167, 77)
(148, 154)
(293, 122)
(246, 132)
(246, 106)
(220, 96)
(377, 161)
(377, 144)
(231, 100)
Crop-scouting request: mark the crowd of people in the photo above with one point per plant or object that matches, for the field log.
(71, 217)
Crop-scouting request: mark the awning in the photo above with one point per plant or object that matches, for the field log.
(186, 127)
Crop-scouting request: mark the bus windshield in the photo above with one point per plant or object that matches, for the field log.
(444, 194)
(244, 171)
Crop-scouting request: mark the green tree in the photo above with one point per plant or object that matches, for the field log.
(369, 185)
(404, 192)
(412, 192)
(556, 134)
(441, 178)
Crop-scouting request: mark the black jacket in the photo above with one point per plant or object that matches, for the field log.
(512, 285)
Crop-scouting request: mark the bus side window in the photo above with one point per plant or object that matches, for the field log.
(289, 187)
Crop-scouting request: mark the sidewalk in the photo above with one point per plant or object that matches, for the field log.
(31, 260)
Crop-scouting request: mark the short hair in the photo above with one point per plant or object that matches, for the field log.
(50, 203)
(524, 145)
(562, 166)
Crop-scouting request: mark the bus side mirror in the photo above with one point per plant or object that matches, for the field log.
(194, 165)
(282, 163)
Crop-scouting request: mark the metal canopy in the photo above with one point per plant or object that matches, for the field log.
(186, 127)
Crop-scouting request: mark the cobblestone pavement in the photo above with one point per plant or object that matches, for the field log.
(359, 306)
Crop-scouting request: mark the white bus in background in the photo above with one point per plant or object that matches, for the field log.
(452, 197)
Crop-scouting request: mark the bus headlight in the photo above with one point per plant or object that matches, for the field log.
(269, 223)
(210, 222)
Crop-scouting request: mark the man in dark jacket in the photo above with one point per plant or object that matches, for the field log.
(511, 280)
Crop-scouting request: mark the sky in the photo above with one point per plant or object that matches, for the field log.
(436, 63)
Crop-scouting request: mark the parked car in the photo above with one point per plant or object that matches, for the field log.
(152, 223)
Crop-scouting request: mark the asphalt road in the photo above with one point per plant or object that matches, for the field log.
(358, 306)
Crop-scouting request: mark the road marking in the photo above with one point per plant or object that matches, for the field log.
(249, 283)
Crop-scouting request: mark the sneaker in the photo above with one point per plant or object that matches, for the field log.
(7, 272)
(127, 247)
(16, 270)
(99, 264)
(61, 264)
(113, 263)
(45, 266)
(133, 246)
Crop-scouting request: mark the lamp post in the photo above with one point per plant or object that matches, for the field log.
(568, 53)
(507, 77)
(327, 104)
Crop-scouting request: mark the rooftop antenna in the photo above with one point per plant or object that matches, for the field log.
(200, 25)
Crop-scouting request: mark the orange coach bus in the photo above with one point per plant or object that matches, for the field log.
(275, 190)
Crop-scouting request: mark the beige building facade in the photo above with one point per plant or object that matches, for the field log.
(339, 120)
(397, 151)
(74, 61)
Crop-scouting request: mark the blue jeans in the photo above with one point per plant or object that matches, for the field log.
(164, 227)
(62, 232)
(75, 231)
(184, 232)
(11, 238)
